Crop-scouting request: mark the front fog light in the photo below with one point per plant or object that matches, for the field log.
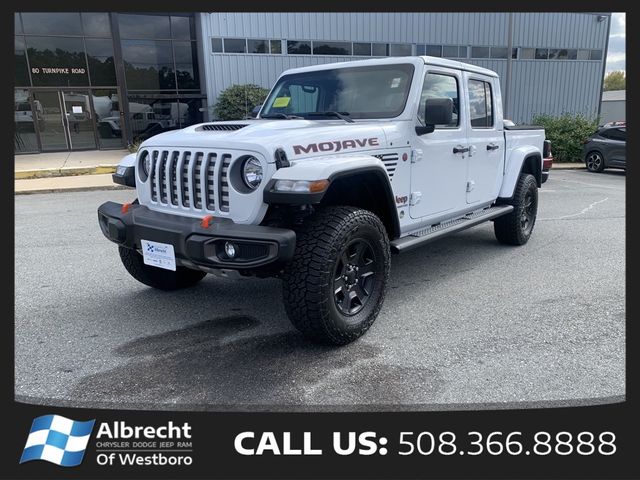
(230, 249)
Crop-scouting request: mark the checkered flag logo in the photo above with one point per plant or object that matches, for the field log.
(57, 440)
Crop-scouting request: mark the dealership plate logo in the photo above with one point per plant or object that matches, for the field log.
(58, 440)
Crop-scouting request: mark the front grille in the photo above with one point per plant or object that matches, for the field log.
(224, 127)
(188, 178)
(390, 161)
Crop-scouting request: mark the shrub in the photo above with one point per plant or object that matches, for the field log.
(566, 133)
(237, 101)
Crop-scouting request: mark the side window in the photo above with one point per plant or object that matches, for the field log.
(437, 85)
(480, 103)
(619, 134)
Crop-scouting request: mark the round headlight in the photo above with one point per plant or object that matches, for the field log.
(252, 172)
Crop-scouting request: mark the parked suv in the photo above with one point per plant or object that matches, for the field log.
(345, 164)
(606, 148)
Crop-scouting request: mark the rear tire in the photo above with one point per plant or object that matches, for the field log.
(594, 162)
(516, 227)
(334, 286)
(157, 277)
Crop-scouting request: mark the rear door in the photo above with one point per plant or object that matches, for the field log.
(615, 146)
(485, 138)
(438, 174)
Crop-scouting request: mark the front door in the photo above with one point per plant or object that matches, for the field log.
(439, 167)
(67, 120)
(485, 139)
(79, 119)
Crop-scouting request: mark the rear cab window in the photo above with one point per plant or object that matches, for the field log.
(480, 103)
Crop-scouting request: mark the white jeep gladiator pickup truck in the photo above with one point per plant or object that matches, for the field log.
(344, 164)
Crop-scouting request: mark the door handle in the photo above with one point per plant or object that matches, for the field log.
(493, 146)
(460, 149)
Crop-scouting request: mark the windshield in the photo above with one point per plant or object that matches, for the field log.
(378, 91)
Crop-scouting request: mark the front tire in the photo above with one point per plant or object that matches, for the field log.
(594, 162)
(335, 285)
(516, 227)
(157, 277)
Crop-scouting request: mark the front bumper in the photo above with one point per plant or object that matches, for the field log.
(194, 245)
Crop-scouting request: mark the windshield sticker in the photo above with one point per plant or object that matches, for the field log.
(281, 102)
(395, 83)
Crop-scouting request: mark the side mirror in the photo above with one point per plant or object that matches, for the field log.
(255, 111)
(437, 111)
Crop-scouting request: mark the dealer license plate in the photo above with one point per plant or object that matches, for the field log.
(158, 254)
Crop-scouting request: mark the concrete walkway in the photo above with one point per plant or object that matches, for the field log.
(66, 163)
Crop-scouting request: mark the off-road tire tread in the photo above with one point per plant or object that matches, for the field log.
(156, 277)
(306, 275)
(507, 227)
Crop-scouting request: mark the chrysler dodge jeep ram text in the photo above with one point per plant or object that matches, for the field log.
(344, 164)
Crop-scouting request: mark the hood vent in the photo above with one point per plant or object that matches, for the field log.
(223, 127)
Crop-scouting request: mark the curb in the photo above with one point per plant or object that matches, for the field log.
(568, 166)
(71, 189)
(63, 172)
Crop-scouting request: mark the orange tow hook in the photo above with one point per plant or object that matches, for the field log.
(125, 207)
(206, 221)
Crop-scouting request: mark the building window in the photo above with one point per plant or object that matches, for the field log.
(514, 53)
(362, 49)
(596, 55)
(499, 52)
(235, 45)
(22, 70)
(148, 64)
(480, 104)
(399, 49)
(433, 50)
(257, 46)
(479, 52)
(450, 51)
(52, 23)
(144, 26)
(56, 61)
(216, 45)
(101, 62)
(182, 28)
(437, 85)
(542, 53)
(298, 47)
(276, 46)
(380, 49)
(331, 48)
(583, 54)
(420, 49)
(96, 24)
(527, 53)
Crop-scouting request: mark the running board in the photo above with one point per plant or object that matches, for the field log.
(447, 227)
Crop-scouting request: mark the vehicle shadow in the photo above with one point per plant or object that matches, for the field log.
(237, 350)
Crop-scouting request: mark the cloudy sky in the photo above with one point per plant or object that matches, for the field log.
(616, 56)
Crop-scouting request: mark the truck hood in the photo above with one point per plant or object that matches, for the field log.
(298, 138)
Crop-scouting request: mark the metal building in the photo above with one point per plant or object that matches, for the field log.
(548, 62)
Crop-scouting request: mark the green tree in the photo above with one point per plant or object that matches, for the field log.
(237, 101)
(615, 81)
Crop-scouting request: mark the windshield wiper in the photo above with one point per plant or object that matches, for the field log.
(341, 115)
(280, 115)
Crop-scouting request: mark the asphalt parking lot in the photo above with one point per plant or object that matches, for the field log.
(467, 322)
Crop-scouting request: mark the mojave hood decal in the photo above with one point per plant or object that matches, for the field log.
(335, 146)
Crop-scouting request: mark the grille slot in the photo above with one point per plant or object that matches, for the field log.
(162, 177)
(222, 127)
(224, 182)
(173, 177)
(210, 179)
(390, 161)
(197, 180)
